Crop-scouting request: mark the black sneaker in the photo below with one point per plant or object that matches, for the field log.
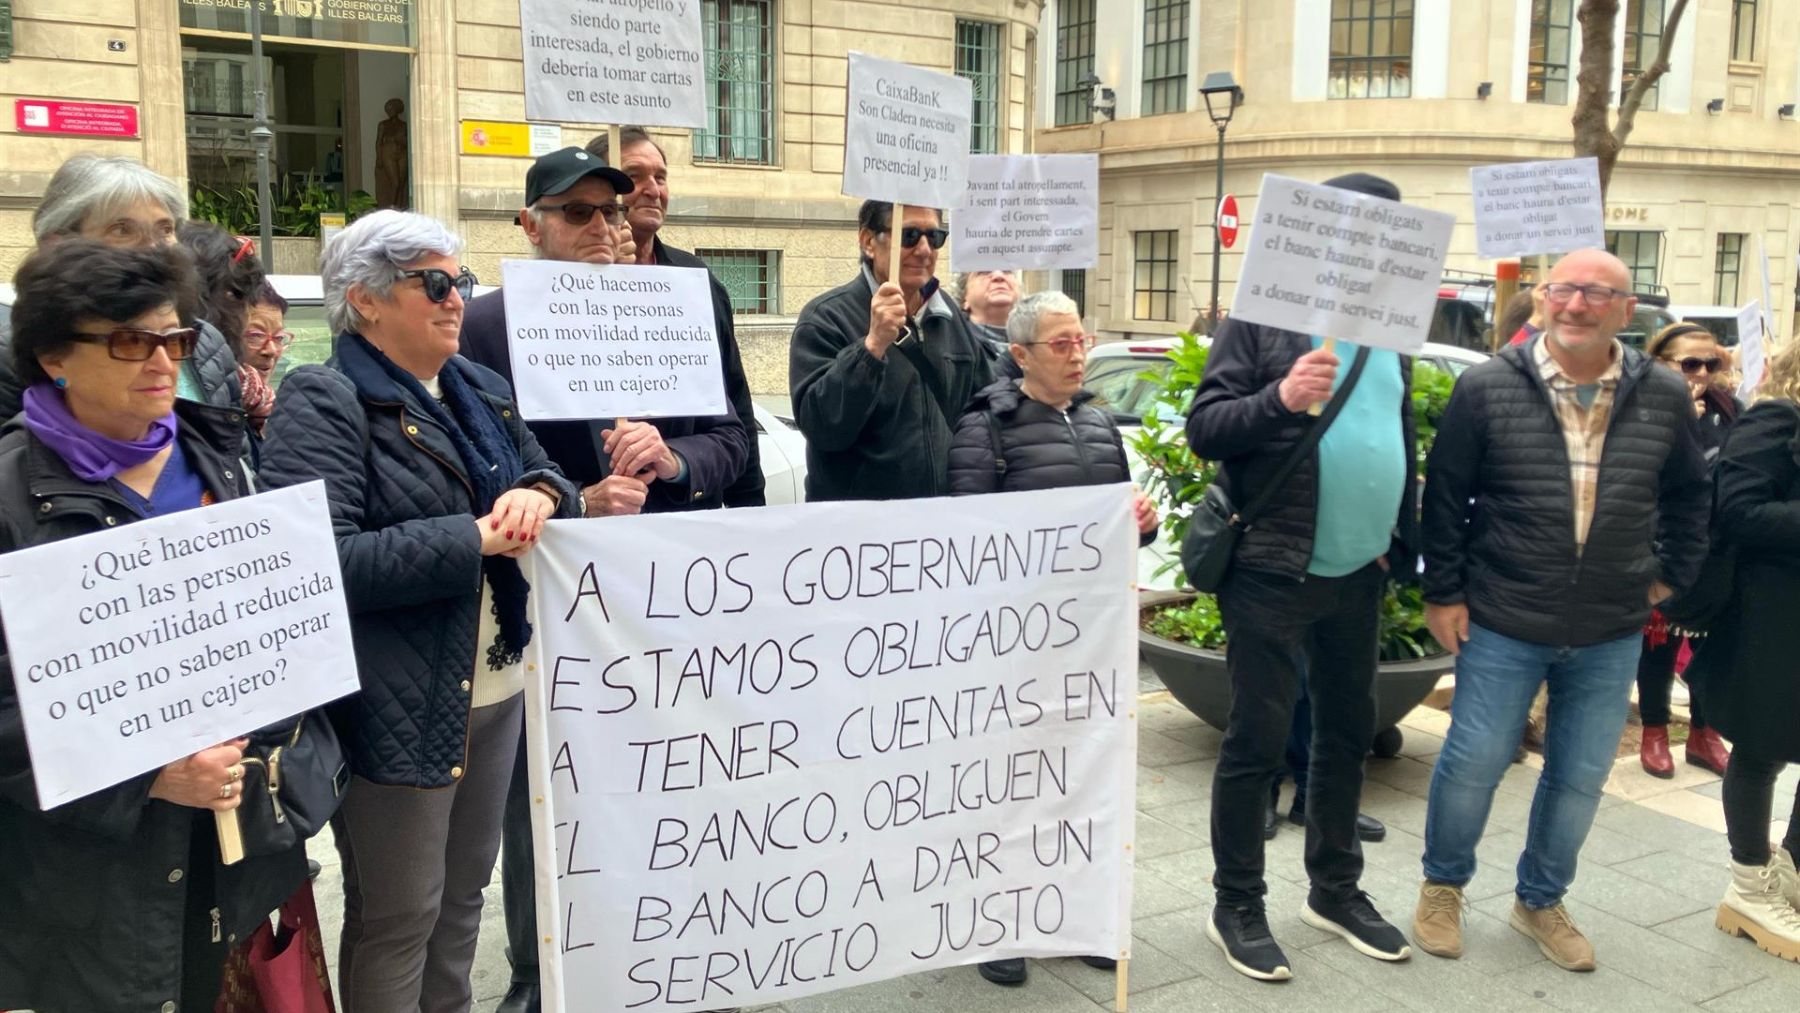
(1356, 919)
(1101, 963)
(1242, 934)
(1004, 972)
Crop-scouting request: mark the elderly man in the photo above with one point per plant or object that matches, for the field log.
(647, 208)
(988, 297)
(1565, 496)
(121, 203)
(881, 367)
(572, 212)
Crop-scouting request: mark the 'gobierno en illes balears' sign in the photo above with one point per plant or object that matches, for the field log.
(368, 22)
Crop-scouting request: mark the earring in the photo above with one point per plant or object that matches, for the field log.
(62, 383)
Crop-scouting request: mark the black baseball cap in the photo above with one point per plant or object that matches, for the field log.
(561, 169)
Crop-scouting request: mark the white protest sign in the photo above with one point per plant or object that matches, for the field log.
(1768, 295)
(614, 61)
(172, 635)
(1528, 208)
(1752, 353)
(769, 761)
(906, 134)
(612, 341)
(1343, 265)
(1029, 213)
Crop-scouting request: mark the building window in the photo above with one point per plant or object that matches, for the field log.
(1743, 30)
(1643, 37)
(740, 74)
(1371, 48)
(978, 57)
(1547, 80)
(1074, 285)
(1165, 56)
(1727, 265)
(1153, 278)
(1641, 252)
(752, 277)
(1074, 61)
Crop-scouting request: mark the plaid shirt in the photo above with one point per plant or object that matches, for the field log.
(1583, 429)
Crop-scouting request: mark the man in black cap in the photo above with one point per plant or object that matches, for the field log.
(1302, 601)
(572, 212)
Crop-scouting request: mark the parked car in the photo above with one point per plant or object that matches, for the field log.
(1465, 312)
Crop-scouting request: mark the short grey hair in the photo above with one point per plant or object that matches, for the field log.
(959, 285)
(371, 253)
(1027, 313)
(90, 185)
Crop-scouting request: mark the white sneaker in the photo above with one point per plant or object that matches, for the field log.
(1755, 907)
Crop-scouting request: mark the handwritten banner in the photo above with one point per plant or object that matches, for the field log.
(1029, 213)
(172, 635)
(906, 134)
(769, 761)
(1527, 208)
(614, 61)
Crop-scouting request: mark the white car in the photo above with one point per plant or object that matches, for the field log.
(1115, 373)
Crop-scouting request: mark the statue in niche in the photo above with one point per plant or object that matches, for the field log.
(391, 158)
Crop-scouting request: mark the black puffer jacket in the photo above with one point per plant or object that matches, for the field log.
(92, 893)
(1499, 511)
(1238, 420)
(403, 510)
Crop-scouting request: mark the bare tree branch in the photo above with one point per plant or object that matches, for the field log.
(1634, 99)
(1595, 132)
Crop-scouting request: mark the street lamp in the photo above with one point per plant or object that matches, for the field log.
(1222, 96)
(1100, 97)
(260, 139)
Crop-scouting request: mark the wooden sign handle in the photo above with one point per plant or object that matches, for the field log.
(1317, 408)
(894, 249)
(1121, 985)
(231, 839)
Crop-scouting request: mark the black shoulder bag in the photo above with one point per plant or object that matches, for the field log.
(1216, 524)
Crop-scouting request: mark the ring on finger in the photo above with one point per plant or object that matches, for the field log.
(225, 790)
(235, 772)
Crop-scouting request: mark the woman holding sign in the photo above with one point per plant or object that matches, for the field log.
(116, 901)
(437, 488)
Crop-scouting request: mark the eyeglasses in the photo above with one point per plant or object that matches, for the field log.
(911, 234)
(439, 282)
(1597, 296)
(1694, 364)
(280, 339)
(1066, 346)
(135, 344)
(244, 248)
(578, 213)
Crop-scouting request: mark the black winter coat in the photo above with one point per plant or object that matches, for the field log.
(1747, 677)
(1238, 420)
(713, 446)
(91, 908)
(873, 429)
(1499, 511)
(403, 510)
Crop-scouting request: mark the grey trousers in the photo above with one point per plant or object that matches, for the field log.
(415, 864)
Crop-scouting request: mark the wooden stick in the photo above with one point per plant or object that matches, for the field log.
(1317, 408)
(894, 249)
(1543, 271)
(231, 838)
(1121, 985)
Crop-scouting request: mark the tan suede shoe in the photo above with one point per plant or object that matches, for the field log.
(1556, 935)
(1437, 924)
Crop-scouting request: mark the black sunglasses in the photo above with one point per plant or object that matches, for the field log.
(135, 344)
(911, 234)
(1693, 364)
(579, 213)
(439, 282)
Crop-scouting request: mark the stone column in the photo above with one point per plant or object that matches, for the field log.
(162, 113)
(432, 113)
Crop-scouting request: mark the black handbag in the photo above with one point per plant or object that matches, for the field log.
(294, 778)
(1216, 524)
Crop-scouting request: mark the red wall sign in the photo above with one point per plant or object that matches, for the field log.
(1228, 221)
(87, 119)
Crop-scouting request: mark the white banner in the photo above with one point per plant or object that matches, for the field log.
(906, 134)
(1526, 208)
(829, 744)
(1029, 213)
(1340, 264)
(614, 61)
(592, 341)
(172, 635)
(1751, 351)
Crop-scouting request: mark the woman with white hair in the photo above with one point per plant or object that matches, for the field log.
(436, 489)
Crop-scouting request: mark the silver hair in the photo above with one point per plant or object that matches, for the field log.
(90, 185)
(1022, 324)
(371, 253)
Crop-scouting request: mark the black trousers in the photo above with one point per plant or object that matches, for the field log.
(1656, 676)
(518, 894)
(1749, 795)
(1280, 632)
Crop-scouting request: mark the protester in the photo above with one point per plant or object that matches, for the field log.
(880, 370)
(1691, 351)
(1523, 317)
(1302, 601)
(116, 901)
(436, 489)
(988, 298)
(230, 275)
(266, 339)
(647, 204)
(121, 203)
(623, 467)
(1565, 496)
(1749, 686)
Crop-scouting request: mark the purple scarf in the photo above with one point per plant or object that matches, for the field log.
(91, 456)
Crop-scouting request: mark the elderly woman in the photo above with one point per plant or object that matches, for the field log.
(1039, 431)
(437, 488)
(116, 901)
(231, 274)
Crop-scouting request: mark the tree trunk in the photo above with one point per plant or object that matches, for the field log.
(1594, 133)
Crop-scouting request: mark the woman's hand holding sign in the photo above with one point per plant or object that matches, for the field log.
(210, 779)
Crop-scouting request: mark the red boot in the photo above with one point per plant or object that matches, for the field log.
(1705, 749)
(1654, 752)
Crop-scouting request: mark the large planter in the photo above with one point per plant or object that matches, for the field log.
(1197, 678)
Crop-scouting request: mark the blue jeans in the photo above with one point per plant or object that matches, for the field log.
(1496, 679)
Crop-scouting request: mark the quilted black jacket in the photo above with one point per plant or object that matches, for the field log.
(1039, 447)
(1499, 511)
(411, 556)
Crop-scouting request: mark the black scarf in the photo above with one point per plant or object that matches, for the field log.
(492, 461)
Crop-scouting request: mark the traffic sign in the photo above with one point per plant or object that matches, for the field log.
(1227, 221)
